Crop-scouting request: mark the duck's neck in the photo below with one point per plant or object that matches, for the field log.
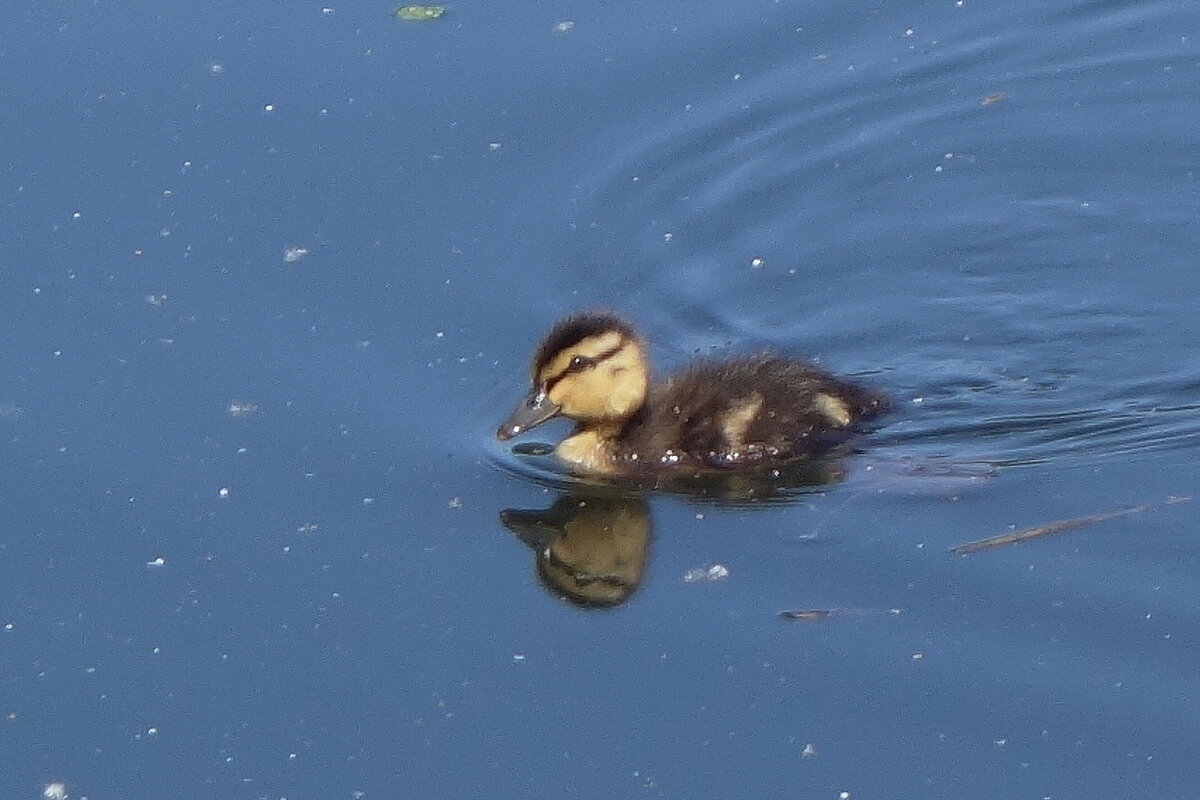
(591, 448)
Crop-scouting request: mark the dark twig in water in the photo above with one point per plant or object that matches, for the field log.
(822, 614)
(812, 614)
(1061, 526)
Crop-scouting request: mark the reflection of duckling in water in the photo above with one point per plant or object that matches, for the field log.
(591, 550)
(747, 412)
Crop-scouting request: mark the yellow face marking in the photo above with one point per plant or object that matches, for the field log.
(736, 421)
(612, 388)
(590, 348)
(835, 409)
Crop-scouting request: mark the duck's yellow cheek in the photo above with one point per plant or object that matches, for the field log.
(585, 453)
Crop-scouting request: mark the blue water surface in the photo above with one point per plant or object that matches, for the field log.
(273, 272)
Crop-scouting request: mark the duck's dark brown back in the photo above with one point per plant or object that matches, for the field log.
(730, 414)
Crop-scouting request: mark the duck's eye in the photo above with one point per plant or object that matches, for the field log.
(580, 363)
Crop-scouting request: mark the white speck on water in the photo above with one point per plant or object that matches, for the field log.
(55, 791)
(717, 572)
(158, 562)
(224, 492)
(293, 254)
(565, 26)
(240, 409)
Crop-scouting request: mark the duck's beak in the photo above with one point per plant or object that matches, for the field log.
(534, 410)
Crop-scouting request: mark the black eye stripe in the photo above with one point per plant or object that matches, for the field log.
(580, 363)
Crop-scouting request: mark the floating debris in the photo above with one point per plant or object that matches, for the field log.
(308, 528)
(717, 572)
(1060, 526)
(993, 98)
(156, 300)
(55, 791)
(294, 254)
(566, 26)
(419, 13)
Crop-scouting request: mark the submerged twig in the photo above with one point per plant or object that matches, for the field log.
(822, 614)
(812, 614)
(1061, 526)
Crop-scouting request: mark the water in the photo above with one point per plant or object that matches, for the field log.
(988, 211)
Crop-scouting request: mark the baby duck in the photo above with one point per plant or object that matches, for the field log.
(747, 412)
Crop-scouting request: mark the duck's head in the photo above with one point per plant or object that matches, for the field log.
(590, 368)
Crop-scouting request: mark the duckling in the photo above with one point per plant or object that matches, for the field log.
(747, 412)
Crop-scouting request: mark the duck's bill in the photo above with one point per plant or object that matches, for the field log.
(534, 528)
(533, 411)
